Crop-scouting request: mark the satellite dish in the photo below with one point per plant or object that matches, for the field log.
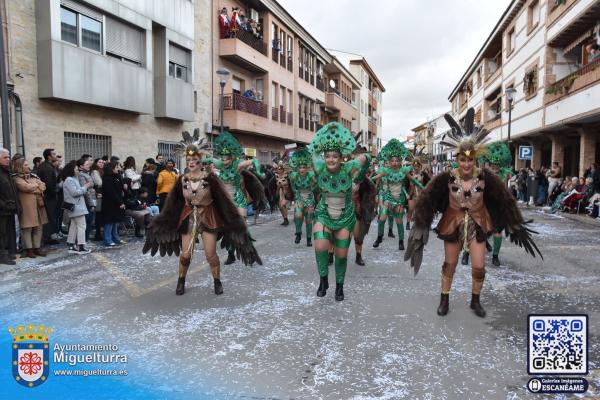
(332, 83)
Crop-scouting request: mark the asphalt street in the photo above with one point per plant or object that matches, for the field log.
(269, 336)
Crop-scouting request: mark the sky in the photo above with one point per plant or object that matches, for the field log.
(419, 49)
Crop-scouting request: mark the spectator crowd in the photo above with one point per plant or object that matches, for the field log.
(81, 201)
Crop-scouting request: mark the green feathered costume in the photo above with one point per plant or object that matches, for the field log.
(335, 209)
(304, 191)
(395, 186)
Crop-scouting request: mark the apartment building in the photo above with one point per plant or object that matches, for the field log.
(106, 77)
(540, 51)
(341, 88)
(277, 85)
(368, 97)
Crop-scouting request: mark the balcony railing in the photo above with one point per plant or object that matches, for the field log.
(290, 118)
(251, 40)
(282, 114)
(275, 113)
(577, 80)
(320, 84)
(275, 54)
(236, 101)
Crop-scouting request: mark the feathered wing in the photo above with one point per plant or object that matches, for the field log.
(163, 234)
(234, 230)
(505, 214)
(255, 189)
(367, 192)
(434, 198)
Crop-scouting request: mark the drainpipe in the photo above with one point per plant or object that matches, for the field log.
(16, 99)
(4, 92)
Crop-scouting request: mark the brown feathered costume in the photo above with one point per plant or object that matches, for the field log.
(467, 215)
(164, 233)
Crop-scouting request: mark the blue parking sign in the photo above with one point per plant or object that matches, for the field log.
(525, 152)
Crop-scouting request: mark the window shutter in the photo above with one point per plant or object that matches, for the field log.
(124, 40)
(81, 8)
(179, 55)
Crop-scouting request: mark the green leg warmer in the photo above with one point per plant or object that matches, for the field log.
(390, 221)
(380, 228)
(340, 269)
(400, 226)
(322, 263)
(298, 223)
(308, 228)
(497, 245)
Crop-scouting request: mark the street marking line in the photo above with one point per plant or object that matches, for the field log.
(133, 289)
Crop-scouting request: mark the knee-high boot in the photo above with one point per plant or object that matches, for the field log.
(400, 232)
(340, 275)
(496, 250)
(184, 264)
(447, 277)
(478, 276)
(323, 269)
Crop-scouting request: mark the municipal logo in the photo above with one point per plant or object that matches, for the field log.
(30, 354)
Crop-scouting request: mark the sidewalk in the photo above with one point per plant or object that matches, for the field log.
(582, 218)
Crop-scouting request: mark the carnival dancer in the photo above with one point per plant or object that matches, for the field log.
(335, 216)
(364, 197)
(303, 184)
(198, 205)
(498, 159)
(284, 191)
(242, 185)
(421, 174)
(396, 182)
(474, 203)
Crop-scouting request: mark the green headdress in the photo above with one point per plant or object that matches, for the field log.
(300, 157)
(497, 153)
(333, 137)
(393, 148)
(226, 145)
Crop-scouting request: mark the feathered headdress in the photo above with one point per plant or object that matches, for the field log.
(497, 153)
(393, 148)
(301, 157)
(420, 158)
(469, 141)
(333, 137)
(192, 145)
(227, 145)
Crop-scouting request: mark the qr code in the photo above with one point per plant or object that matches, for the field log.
(557, 344)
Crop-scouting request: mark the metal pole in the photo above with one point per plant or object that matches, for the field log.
(222, 104)
(509, 123)
(4, 92)
(509, 119)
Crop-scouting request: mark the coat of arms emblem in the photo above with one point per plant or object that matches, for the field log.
(30, 354)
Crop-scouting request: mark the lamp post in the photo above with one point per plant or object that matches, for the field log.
(510, 96)
(223, 74)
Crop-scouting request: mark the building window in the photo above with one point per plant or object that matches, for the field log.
(125, 41)
(169, 151)
(80, 29)
(533, 16)
(68, 23)
(236, 85)
(91, 33)
(179, 62)
(511, 41)
(530, 82)
(77, 144)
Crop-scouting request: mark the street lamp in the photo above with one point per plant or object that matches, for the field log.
(510, 96)
(223, 74)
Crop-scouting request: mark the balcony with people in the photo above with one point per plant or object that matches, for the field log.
(241, 39)
(579, 46)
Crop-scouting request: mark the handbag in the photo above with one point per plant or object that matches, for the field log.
(68, 206)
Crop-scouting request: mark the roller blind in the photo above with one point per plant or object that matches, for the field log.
(124, 40)
(179, 55)
(82, 8)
